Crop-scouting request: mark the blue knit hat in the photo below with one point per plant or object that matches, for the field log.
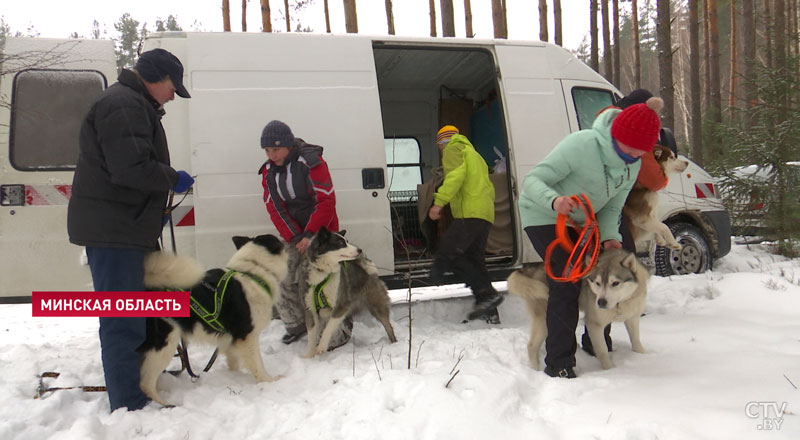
(277, 134)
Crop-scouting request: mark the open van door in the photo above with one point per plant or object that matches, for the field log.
(325, 89)
(46, 89)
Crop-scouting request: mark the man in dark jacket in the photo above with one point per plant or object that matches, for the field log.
(298, 193)
(119, 194)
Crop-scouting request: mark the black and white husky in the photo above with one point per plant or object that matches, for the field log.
(337, 281)
(614, 290)
(251, 280)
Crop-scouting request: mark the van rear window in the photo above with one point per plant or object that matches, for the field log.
(588, 102)
(47, 109)
(403, 164)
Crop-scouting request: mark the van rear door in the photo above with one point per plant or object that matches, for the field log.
(46, 89)
(325, 89)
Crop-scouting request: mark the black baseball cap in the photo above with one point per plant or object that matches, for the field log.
(154, 65)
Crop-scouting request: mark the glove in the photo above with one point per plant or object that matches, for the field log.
(185, 181)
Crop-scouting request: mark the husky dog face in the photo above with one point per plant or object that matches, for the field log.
(332, 247)
(668, 161)
(269, 242)
(614, 279)
(266, 250)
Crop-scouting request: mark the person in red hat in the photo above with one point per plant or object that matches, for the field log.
(603, 163)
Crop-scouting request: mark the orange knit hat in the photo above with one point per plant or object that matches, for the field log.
(445, 133)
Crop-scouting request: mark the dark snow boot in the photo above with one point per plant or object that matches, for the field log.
(586, 341)
(484, 305)
(293, 335)
(492, 316)
(564, 373)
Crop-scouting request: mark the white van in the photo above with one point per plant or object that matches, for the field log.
(373, 103)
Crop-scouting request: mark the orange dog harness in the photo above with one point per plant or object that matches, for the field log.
(587, 247)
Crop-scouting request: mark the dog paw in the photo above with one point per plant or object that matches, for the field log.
(268, 378)
(675, 246)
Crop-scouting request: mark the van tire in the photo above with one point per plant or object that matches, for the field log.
(695, 257)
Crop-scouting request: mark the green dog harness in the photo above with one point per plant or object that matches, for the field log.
(212, 318)
(320, 302)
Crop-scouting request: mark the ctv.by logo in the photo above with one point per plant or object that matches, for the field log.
(770, 413)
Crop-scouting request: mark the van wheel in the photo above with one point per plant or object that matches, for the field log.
(695, 257)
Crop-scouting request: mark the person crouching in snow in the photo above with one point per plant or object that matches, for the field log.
(602, 163)
(299, 196)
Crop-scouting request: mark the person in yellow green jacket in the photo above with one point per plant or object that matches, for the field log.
(470, 194)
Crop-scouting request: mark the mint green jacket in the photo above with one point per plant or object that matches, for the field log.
(466, 187)
(583, 162)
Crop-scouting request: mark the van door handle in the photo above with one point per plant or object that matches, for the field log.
(372, 178)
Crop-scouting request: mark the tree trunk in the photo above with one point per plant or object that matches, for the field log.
(707, 57)
(664, 49)
(749, 54)
(389, 17)
(286, 9)
(432, 7)
(780, 34)
(594, 57)
(637, 59)
(615, 42)
(327, 16)
(499, 19)
(608, 57)
(468, 18)
(448, 20)
(226, 16)
(694, 84)
(713, 45)
(350, 17)
(543, 20)
(733, 73)
(266, 20)
(244, 15)
(557, 22)
(768, 35)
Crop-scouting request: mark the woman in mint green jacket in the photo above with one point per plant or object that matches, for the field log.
(602, 163)
(470, 194)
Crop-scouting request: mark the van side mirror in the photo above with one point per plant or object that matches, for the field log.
(667, 139)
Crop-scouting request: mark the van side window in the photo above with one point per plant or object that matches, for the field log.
(47, 109)
(588, 102)
(403, 163)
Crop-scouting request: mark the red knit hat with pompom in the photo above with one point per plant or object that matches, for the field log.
(638, 126)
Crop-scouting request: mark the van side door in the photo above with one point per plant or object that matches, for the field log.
(325, 89)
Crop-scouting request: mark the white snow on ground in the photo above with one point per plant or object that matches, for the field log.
(723, 354)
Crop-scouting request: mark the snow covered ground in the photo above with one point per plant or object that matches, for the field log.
(723, 356)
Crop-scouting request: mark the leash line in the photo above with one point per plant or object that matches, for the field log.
(588, 245)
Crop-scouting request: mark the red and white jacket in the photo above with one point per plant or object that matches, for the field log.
(299, 194)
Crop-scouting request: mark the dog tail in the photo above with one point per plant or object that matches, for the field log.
(163, 270)
(529, 282)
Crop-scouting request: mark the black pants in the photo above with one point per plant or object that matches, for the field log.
(462, 250)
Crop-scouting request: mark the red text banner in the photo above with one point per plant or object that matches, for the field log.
(111, 304)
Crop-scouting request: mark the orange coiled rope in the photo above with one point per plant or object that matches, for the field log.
(583, 255)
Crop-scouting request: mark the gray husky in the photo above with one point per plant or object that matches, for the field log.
(614, 290)
(337, 281)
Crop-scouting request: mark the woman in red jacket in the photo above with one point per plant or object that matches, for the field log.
(299, 196)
